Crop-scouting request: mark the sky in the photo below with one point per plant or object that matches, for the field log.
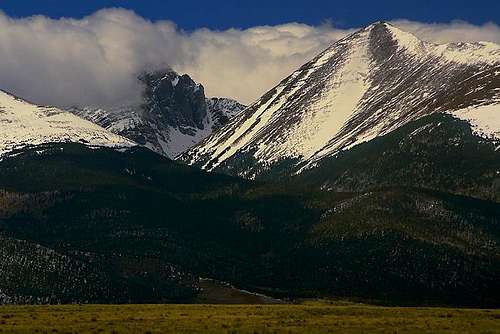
(224, 14)
(89, 52)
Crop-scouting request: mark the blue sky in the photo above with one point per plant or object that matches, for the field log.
(223, 14)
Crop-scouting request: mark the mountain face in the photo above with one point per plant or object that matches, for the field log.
(222, 110)
(108, 226)
(174, 114)
(25, 124)
(362, 87)
(438, 151)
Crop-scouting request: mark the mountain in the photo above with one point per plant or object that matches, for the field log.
(379, 180)
(438, 151)
(173, 116)
(98, 225)
(24, 124)
(364, 86)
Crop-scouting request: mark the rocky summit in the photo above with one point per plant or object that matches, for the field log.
(174, 113)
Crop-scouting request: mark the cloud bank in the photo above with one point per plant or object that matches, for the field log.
(94, 60)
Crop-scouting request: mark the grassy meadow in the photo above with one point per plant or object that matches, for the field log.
(317, 317)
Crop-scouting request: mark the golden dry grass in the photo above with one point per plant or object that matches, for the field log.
(306, 318)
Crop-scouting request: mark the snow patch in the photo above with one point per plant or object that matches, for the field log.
(484, 120)
(469, 53)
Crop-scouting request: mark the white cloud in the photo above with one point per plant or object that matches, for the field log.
(94, 60)
(457, 31)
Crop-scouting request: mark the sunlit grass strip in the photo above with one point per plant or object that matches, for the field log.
(313, 317)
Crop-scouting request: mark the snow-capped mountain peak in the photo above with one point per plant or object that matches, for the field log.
(481, 52)
(173, 116)
(363, 86)
(23, 124)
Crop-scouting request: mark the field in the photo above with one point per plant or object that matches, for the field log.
(305, 318)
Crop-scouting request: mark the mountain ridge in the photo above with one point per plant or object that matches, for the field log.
(173, 116)
(25, 124)
(363, 86)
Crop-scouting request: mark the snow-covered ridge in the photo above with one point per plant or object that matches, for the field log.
(461, 52)
(467, 53)
(23, 124)
(363, 86)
